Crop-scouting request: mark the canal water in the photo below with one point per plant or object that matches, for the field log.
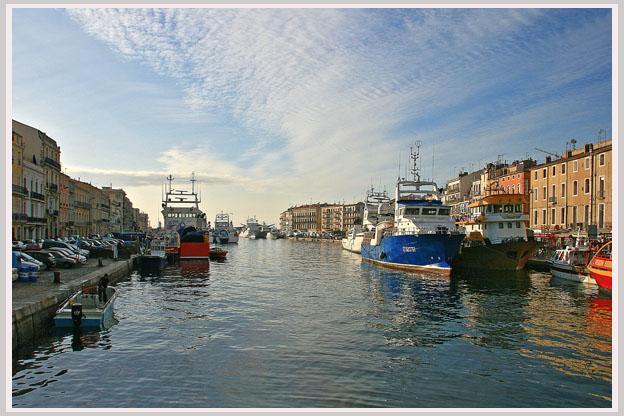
(303, 324)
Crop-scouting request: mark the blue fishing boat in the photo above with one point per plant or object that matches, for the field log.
(422, 237)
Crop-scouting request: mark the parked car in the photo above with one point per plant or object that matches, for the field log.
(25, 258)
(18, 261)
(62, 260)
(47, 244)
(31, 245)
(18, 245)
(43, 256)
(70, 254)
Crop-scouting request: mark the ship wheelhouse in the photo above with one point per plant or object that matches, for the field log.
(419, 210)
(498, 218)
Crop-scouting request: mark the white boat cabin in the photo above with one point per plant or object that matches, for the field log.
(419, 210)
(498, 218)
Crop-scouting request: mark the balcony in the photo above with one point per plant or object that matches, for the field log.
(37, 220)
(20, 190)
(53, 187)
(79, 204)
(552, 200)
(69, 223)
(53, 212)
(52, 163)
(20, 217)
(37, 195)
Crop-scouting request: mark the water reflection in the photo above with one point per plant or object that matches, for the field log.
(319, 328)
(191, 269)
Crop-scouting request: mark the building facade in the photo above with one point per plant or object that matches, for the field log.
(143, 222)
(331, 218)
(82, 207)
(286, 221)
(116, 202)
(45, 152)
(573, 191)
(100, 212)
(34, 204)
(353, 214)
(19, 191)
(458, 192)
(64, 206)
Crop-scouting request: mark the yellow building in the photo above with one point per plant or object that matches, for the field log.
(20, 192)
(43, 151)
(573, 191)
(82, 207)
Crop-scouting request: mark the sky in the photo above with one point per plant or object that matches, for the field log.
(272, 108)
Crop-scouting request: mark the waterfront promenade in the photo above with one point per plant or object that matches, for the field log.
(34, 303)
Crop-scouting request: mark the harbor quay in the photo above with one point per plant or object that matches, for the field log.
(35, 303)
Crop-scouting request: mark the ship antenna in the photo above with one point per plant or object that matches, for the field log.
(193, 180)
(433, 163)
(415, 156)
(399, 177)
(170, 179)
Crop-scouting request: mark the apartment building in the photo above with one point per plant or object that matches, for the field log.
(331, 218)
(573, 191)
(19, 192)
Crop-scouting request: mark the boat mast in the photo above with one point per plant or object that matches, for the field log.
(170, 179)
(415, 170)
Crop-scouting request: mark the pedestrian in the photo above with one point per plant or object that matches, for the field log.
(102, 285)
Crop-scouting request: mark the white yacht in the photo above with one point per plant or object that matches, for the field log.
(255, 230)
(377, 208)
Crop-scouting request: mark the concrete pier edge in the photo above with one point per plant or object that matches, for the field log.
(29, 320)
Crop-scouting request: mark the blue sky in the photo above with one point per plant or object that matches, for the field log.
(277, 107)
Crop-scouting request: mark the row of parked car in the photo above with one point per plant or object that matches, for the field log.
(336, 235)
(62, 252)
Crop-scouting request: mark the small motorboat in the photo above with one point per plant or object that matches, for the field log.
(156, 258)
(570, 263)
(217, 253)
(87, 308)
(600, 267)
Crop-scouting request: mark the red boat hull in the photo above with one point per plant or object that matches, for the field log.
(602, 277)
(195, 250)
(601, 267)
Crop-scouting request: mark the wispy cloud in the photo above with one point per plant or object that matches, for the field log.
(330, 97)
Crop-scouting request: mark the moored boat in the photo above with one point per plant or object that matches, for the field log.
(570, 263)
(218, 254)
(255, 230)
(600, 267)
(377, 208)
(87, 308)
(224, 231)
(182, 214)
(422, 235)
(497, 234)
(156, 257)
(353, 240)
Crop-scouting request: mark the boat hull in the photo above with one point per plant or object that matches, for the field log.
(571, 273)
(233, 239)
(92, 317)
(152, 262)
(257, 234)
(353, 244)
(603, 277)
(431, 253)
(199, 250)
(504, 256)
